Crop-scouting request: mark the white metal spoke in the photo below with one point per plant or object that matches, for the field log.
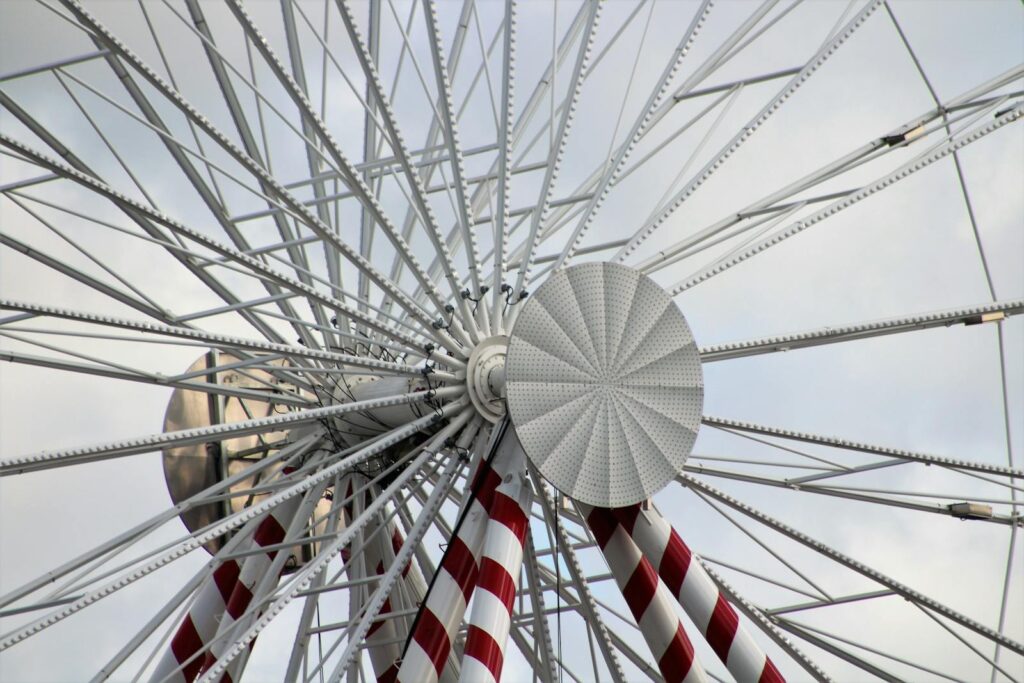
(975, 315)
(756, 122)
(924, 160)
(285, 453)
(91, 369)
(426, 215)
(28, 463)
(556, 153)
(504, 174)
(210, 338)
(867, 495)
(640, 126)
(451, 139)
(856, 566)
(862, 447)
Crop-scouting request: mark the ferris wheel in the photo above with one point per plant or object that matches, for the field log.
(567, 341)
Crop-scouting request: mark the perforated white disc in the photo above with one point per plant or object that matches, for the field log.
(604, 384)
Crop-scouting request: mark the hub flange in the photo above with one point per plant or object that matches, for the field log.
(485, 377)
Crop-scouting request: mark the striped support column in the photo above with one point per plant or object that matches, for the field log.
(271, 530)
(500, 567)
(698, 595)
(411, 573)
(350, 509)
(439, 619)
(649, 600)
(199, 625)
(383, 640)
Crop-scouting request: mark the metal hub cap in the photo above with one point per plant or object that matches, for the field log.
(604, 384)
(485, 377)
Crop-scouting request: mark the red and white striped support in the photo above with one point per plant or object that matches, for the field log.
(431, 642)
(649, 600)
(384, 639)
(271, 530)
(220, 599)
(199, 625)
(411, 575)
(500, 566)
(698, 594)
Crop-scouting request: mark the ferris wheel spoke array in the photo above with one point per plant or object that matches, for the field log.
(925, 159)
(343, 166)
(747, 130)
(348, 172)
(319, 230)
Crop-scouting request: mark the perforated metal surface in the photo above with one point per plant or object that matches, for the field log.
(604, 384)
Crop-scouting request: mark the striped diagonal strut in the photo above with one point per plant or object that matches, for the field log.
(437, 624)
(259, 573)
(182, 661)
(222, 599)
(697, 593)
(386, 635)
(649, 600)
(442, 612)
(500, 566)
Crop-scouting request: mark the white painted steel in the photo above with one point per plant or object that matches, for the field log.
(368, 218)
(604, 384)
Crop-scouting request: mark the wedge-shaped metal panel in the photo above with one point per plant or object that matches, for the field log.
(604, 384)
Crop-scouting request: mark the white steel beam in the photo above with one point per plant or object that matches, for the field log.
(850, 563)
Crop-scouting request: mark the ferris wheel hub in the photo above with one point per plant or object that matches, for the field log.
(604, 386)
(485, 377)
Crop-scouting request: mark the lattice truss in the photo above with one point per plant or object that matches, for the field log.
(418, 288)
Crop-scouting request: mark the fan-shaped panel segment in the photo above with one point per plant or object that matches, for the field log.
(627, 423)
